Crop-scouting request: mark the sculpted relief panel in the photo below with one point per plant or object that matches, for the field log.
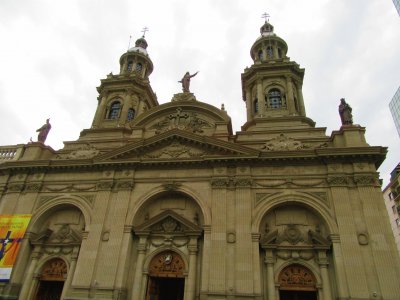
(180, 119)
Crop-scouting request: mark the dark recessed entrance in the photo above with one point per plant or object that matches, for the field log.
(161, 288)
(297, 295)
(49, 290)
(51, 281)
(297, 283)
(166, 277)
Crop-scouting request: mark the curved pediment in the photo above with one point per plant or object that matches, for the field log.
(188, 115)
(178, 145)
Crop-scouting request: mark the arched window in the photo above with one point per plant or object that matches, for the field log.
(138, 67)
(114, 110)
(260, 54)
(255, 105)
(270, 54)
(130, 65)
(131, 114)
(274, 99)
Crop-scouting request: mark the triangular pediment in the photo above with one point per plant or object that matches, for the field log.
(168, 222)
(177, 144)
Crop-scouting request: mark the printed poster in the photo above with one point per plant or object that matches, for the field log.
(12, 230)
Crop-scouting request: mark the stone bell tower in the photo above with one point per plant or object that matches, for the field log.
(272, 86)
(123, 97)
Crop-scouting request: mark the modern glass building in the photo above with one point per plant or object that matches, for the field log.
(394, 107)
(397, 4)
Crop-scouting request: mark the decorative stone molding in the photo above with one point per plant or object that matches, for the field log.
(104, 186)
(176, 150)
(188, 121)
(363, 238)
(338, 181)
(365, 180)
(58, 188)
(183, 97)
(33, 187)
(263, 196)
(84, 152)
(284, 143)
(124, 185)
(243, 182)
(89, 199)
(295, 254)
(15, 187)
(320, 195)
(220, 182)
(171, 186)
(231, 237)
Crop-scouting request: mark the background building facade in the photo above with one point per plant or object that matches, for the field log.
(394, 106)
(166, 202)
(391, 195)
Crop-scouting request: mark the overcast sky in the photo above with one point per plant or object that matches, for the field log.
(54, 53)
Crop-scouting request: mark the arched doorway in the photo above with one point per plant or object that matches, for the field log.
(51, 281)
(166, 277)
(297, 282)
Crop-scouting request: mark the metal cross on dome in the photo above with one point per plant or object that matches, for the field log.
(266, 17)
(144, 30)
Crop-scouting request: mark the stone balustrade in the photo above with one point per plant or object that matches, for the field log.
(11, 152)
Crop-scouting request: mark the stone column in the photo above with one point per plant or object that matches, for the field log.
(137, 283)
(340, 272)
(323, 266)
(85, 272)
(249, 105)
(300, 100)
(269, 261)
(121, 269)
(124, 109)
(289, 95)
(255, 237)
(71, 271)
(275, 50)
(217, 252)
(190, 293)
(100, 112)
(261, 99)
(206, 259)
(27, 285)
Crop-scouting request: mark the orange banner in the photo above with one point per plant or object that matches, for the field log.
(12, 230)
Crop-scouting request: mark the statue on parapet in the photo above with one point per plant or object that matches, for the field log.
(345, 113)
(186, 81)
(44, 131)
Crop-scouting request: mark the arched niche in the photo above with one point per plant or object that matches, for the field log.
(181, 203)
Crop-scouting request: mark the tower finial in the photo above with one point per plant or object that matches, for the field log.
(144, 30)
(265, 16)
(129, 44)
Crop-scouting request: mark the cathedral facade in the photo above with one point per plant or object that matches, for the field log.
(163, 201)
